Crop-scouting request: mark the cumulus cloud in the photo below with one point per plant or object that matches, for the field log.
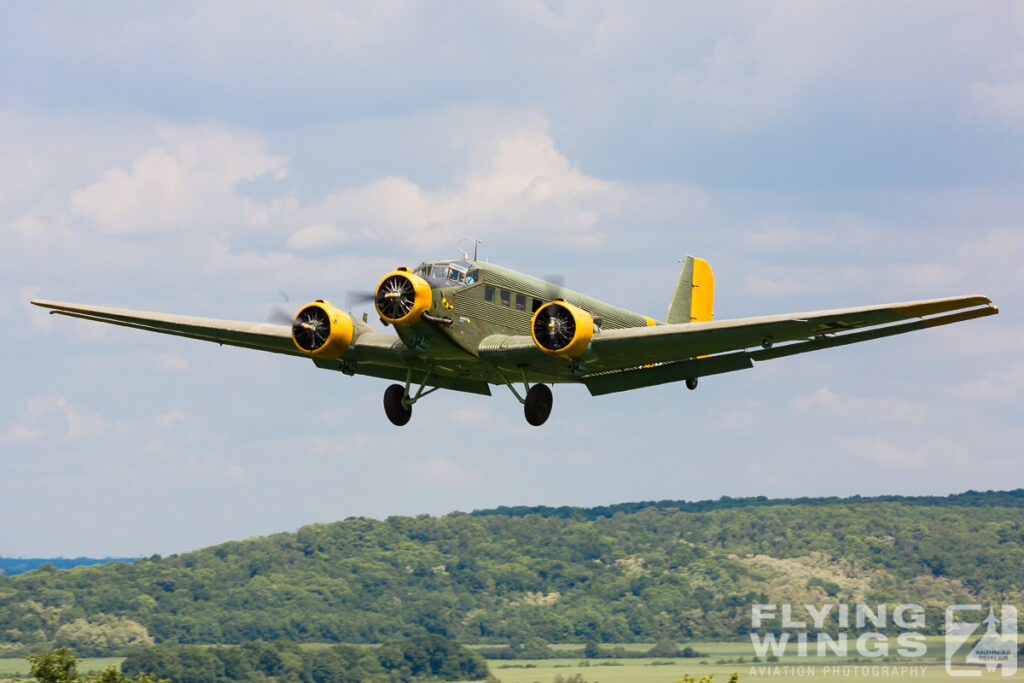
(170, 362)
(928, 454)
(170, 418)
(862, 410)
(78, 424)
(881, 452)
(1004, 384)
(19, 433)
(527, 185)
(189, 181)
(214, 467)
(471, 415)
(438, 471)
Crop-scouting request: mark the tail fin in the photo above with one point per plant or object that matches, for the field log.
(694, 297)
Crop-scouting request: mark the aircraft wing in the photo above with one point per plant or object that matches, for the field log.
(622, 359)
(371, 353)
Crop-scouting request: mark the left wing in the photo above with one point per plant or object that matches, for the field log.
(371, 353)
(630, 358)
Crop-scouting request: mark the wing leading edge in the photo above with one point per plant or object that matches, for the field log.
(371, 353)
(623, 359)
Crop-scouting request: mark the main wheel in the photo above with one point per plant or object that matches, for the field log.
(691, 383)
(538, 404)
(398, 414)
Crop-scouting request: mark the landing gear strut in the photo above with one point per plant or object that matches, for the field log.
(537, 406)
(398, 403)
(538, 401)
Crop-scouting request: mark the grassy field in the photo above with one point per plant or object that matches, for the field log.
(19, 666)
(721, 659)
(725, 658)
(642, 671)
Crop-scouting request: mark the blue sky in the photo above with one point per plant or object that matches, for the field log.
(205, 158)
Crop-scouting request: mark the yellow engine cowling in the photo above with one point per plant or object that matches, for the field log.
(402, 297)
(322, 331)
(561, 329)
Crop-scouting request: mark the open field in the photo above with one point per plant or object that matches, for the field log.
(722, 659)
(642, 671)
(19, 666)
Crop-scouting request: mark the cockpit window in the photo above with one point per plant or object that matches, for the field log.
(453, 272)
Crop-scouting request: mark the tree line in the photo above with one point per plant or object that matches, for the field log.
(634, 576)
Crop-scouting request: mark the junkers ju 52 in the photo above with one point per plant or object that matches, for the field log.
(467, 325)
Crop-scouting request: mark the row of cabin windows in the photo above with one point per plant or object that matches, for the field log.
(507, 296)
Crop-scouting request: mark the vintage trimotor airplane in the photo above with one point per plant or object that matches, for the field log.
(464, 325)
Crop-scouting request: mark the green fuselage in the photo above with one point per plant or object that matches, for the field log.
(483, 300)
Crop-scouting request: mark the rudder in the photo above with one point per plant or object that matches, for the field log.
(694, 298)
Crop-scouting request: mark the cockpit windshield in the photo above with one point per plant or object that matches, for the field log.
(450, 273)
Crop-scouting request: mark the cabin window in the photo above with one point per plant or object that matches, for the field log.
(520, 302)
(506, 297)
(488, 293)
(472, 276)
(537, 303)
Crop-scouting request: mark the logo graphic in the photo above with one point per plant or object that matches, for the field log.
(994, 647)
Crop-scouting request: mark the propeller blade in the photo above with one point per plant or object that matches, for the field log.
(280, 316)
(355, 298)
(555, 281)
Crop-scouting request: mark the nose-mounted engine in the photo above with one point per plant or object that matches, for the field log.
(322, 331)
(402, 297)
(561, 329)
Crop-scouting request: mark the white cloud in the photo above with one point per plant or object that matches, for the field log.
(440, 471)
(170, 418)
(188, 181)
(931, 455)
(170, 362)
(471, 415)
(862, 410)
(526, 185)
(317, 236)
(996, 385)
(19, 433)
(214, 466)
(881, 452)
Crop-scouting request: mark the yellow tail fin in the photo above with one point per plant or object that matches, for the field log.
(694, 298)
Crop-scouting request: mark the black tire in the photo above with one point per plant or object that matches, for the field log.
(691, 383)
(538, 404)
(397, 413)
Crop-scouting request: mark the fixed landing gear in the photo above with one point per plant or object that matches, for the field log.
(538, 403)
(691, 383)
(394, 405)
(398, 403)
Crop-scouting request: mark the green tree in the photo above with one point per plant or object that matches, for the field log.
(60, 666)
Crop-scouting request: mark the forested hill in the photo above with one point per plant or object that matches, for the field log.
(18, 565)
(1013, 498)
(630, 573)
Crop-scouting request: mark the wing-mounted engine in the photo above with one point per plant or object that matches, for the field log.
(561, 329)
(322, 331)
(402, 297)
